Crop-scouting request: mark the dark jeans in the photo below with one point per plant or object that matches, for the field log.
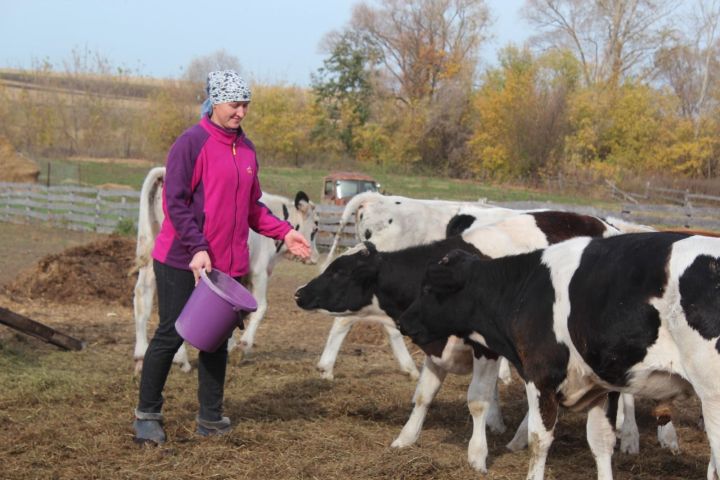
(174, 287)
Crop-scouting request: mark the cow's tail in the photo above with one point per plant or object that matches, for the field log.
(146, 218)
(628, 227)
(350, 209)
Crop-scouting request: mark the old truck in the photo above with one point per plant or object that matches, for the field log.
(340, 187)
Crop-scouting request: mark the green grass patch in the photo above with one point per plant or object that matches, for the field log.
(73, 172)
(288, 181)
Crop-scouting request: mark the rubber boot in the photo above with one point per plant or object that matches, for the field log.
(208, 428)
(148, 428)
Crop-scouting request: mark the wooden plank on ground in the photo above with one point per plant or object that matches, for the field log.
(38, 330)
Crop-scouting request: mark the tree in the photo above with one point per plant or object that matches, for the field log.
(169, 114)
(279, 123)
(423, 55)
(620, 132)
(612, 38)
(521, 114)
(199, 67)
(343, 89)
(691, 63)
(423, 43)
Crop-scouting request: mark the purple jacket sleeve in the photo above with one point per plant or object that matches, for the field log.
(178, 189)
(261, 219)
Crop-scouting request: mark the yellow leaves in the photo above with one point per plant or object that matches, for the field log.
(519, 116)
(167, 117)
(279, 122)
(372, 145)
(687, 155)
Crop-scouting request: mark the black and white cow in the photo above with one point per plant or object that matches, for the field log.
(264, 254)
(394, 222)
(366, 282)
(636, 313)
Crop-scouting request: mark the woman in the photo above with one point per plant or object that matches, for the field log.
(210, 199)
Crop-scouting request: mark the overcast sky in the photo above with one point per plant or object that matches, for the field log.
(275, 40)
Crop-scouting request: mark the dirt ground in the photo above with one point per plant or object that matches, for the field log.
(68, 415)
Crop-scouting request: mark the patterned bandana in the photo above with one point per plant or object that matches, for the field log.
(225, 86)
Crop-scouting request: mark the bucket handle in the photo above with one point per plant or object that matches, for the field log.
(211, 285)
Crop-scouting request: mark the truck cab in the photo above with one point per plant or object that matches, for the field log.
(340, 187)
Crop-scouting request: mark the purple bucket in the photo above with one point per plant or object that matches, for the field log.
(211, 313)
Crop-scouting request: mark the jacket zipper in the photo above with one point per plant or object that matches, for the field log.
(237, 187)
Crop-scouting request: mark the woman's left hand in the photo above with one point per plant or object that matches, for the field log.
(297, 244)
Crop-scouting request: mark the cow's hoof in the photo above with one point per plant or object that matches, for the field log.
(401, 443)
(138, 366)
(238, 357)
(185, 367)
(672, 446)
(246, 347)
(325, 374)
(630, 446)
(667, 436)
(414, 373)
(478, 465)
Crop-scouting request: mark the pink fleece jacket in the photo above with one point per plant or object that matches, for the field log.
(210, 199)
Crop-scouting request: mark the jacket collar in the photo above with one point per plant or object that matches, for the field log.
(224, 135)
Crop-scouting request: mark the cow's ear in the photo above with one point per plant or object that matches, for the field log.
(458, 224)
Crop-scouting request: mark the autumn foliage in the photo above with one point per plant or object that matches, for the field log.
(401, 90)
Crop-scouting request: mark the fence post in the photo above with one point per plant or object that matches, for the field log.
(47, 206)
(687, 205)
(28, 199)
(123, 202)
(97, 210)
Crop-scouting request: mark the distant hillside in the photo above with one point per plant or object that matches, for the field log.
(106, 85)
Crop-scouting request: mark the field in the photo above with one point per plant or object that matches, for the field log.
(68, 415)
(288, 180)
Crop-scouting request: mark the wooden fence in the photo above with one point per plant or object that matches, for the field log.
(71, 207)
(106, 210)
(328, 224)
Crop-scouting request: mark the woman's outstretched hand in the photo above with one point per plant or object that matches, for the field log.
(297, 244)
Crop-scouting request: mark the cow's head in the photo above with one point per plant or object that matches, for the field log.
(346, 286)
(445, 303)
(304, 219)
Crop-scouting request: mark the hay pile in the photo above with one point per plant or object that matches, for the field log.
(95, 271)
(14, 167)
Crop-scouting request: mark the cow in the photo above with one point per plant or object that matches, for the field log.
(365, 282)
(636, 313)
(264, 254)
(391, 223)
